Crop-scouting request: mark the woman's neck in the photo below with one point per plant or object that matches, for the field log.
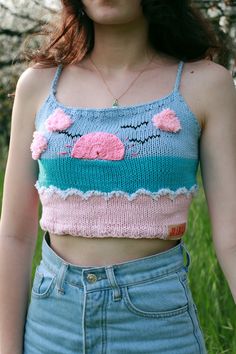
(121, 47)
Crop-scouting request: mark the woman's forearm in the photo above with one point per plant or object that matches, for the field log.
(227, 260)
(15, 274)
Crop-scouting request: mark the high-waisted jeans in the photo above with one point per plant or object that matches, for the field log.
(141, 306)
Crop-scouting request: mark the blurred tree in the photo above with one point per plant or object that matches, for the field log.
(19, 18)
(223, 16)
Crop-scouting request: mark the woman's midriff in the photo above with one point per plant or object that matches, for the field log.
(84, 251)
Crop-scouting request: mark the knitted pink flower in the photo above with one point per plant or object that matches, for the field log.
(58, 120)
(38, 145)
(99, 145)
(167, 120)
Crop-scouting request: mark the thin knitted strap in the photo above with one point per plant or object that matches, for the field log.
(56, 78)
(178, 75)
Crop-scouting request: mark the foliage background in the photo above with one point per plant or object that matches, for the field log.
(210, 290)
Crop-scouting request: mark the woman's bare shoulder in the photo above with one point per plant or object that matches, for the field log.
(34, 84)
(207, 65)
(207, 78)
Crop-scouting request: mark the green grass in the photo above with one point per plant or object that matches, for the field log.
(209, 288)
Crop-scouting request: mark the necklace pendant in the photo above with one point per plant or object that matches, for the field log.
(115, 103)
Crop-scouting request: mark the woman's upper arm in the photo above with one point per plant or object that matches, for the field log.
(218, 154)
(19, 217)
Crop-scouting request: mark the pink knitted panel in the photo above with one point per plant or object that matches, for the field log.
(117, 217)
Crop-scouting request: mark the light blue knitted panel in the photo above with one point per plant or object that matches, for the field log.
(131, 125)
(153, 159)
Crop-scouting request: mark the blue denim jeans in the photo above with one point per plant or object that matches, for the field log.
(141, 306)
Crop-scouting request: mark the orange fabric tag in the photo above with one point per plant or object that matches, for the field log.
(176, 230)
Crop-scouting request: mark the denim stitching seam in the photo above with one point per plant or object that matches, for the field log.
(104, 322)
(171, 270)
(159, 315)
(190, 314)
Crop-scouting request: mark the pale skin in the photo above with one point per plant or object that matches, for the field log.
(120, 52)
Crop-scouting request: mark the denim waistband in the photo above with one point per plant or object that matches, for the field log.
(117, 274)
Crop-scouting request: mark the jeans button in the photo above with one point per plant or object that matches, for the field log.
(91, 278)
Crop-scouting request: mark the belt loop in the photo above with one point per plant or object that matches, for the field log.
(112, 280)
(60, 278)
(187, 254)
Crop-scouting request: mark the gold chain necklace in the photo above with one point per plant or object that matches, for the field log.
(116, 99)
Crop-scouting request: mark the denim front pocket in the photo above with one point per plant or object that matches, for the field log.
(163, 296)
(44, 282)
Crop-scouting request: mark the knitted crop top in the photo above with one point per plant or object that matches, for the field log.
(116, 172)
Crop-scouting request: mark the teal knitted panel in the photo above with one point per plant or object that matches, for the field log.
(151, 173)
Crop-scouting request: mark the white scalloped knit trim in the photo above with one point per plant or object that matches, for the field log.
(85, 195)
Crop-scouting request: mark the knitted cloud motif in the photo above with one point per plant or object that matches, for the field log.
(99, 145)
(58, 120)
(167, 120)
(38, 145)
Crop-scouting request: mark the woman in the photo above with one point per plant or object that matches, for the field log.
(108, 127)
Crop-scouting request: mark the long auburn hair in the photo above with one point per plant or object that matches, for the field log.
(177, 28)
